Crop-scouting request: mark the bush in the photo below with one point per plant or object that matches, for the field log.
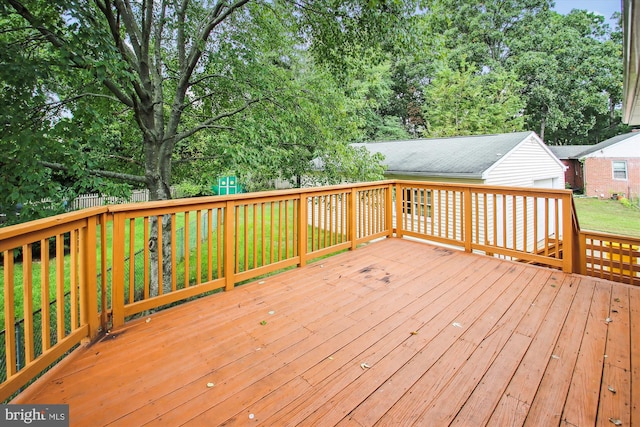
(191, 189)
(625, 202)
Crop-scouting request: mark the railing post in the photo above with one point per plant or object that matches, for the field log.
(353, 218)
(399, 211)
(388, 210)
(9, 315)
(582, 254)
(103, 271)
(468, 220)
(567, 235)
(117, 272)
(229, 245)
(89, 277)
(302, 230)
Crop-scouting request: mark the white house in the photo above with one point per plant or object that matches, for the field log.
(515, 159)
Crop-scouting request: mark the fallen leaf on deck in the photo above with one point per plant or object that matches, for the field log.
(615, 421)
(414, 332)
(264, 322)
(611, 389)
(364, 366)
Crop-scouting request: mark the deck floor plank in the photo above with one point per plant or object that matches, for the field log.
(519, 394)
(582, 400)
(363, 273)
(485, 397)
(615, 392)
(448, 338)
(444, 408)
(634, 323)
(402, 346)
(549, 400)
(460, 341)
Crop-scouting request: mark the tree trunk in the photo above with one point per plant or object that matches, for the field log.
(158, 173)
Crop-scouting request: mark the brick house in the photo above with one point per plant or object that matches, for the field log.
(612, 167)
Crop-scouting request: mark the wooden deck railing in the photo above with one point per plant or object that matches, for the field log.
(610, 257)
(524, 224)
(103, 265)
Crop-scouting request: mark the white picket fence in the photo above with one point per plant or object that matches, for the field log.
(90, 200)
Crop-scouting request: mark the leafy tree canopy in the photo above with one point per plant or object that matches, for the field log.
(563, 71)
(105, 92)
(466, 102)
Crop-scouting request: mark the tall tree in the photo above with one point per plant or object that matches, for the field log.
(147, 78)
(177, 68)
(467, 102)
(572, 73)
(481, 33)
(570, 66)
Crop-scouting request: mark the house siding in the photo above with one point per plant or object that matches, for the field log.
(527, 163)
(599, 180)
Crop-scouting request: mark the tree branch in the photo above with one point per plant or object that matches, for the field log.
(101, 173)
(81, 95)
(217, 15)
(58, 43)
(209, 123)
(135, 35)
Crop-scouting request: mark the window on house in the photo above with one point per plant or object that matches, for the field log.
(619, 170)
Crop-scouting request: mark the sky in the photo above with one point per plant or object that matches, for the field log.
(603, 7)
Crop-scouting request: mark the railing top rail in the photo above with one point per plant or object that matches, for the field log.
(613, 237)
(487, 188)
(194, 201)
(46, 223)
(168, 206)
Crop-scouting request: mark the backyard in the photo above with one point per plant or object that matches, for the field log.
(609, 216)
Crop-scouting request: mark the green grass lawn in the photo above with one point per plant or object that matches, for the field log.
(274, 239)
(36, 270)
(608, 216)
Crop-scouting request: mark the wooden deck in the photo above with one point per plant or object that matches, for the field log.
(395, 333)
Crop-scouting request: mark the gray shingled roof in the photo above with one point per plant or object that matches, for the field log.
(463, 156)
(607, 142)
(568, 151)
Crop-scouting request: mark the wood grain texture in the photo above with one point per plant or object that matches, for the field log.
(395, 333)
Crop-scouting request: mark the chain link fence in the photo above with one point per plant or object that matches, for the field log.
(53, 305)
(20, 348)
